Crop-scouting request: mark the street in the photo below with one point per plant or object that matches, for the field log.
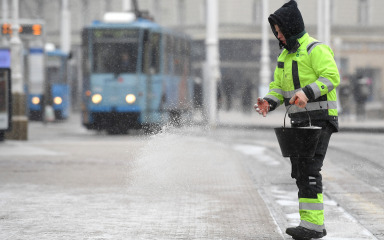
(184, 183)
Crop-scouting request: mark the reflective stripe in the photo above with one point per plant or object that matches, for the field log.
(311, 206)
(316, 90)
(273, 98)
(318, 228)
(289, 94)
(311, 46)
(312, 180)
(332, 105)
(313, 106)
(277, 90)
(327, 83)
(312, 212)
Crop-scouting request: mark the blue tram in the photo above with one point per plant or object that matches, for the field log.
(58, 83)
(136, 75)
(48, 84)
(35, 88)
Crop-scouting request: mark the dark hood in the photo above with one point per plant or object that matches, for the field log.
(290, 22)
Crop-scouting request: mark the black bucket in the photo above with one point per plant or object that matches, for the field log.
(298, 141)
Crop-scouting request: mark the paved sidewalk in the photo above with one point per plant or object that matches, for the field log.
(275, 119)
(173, 185)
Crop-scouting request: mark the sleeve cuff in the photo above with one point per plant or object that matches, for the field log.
(272, 104)
(309, 93)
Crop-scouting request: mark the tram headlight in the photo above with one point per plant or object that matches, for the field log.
(96, 98)
(57, 100)
(130, 98)
(35, 100)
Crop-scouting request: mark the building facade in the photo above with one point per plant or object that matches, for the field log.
(357, 34)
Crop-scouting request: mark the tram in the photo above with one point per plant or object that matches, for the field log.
(136, 75)
(48, 73)
(58, 83)
(35, 88)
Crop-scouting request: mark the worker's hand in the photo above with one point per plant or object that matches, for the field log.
(299, 99)
(262, 107)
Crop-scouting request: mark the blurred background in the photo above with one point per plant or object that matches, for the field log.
(355, 33)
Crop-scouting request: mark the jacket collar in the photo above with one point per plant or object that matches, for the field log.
(303, 38)
(299, 43)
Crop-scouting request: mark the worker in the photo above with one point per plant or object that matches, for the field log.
(306, 77)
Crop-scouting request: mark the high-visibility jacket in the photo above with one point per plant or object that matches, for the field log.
(310, 67)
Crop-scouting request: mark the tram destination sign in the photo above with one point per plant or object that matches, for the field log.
(126, 35)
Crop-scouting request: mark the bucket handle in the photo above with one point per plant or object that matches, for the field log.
(306, 112)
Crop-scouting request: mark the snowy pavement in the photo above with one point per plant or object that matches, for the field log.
(68, 183)
(162, 187)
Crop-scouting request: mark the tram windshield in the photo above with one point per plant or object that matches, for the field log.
(53, 74)
(56, 69)
(115, 51)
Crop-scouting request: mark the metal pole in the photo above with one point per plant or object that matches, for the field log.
(65, 36)
(338, 42)
(4, 41)
(181, 13)
(19, 119)
(265, 71)
(324, 21)
(157, 10)
(327, 22)
(320, 20)
(5, 10)
(84, 9)
(16, 53)
(212, 63)
(102, 9)
(127, 5)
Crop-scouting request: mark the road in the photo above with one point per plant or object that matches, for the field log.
(192, 183)
(353, 178)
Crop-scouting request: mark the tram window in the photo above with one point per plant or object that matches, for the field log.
(188, 49)
(152, 53)
(115, 57)
(165, 56)
(168, 60)
(186, 55)
(179, 57)
(177, 53)
(155, 60)
(53, 75)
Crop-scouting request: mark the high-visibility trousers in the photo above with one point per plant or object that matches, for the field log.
(306, 171)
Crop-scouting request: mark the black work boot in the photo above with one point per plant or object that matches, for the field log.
(302, 233)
